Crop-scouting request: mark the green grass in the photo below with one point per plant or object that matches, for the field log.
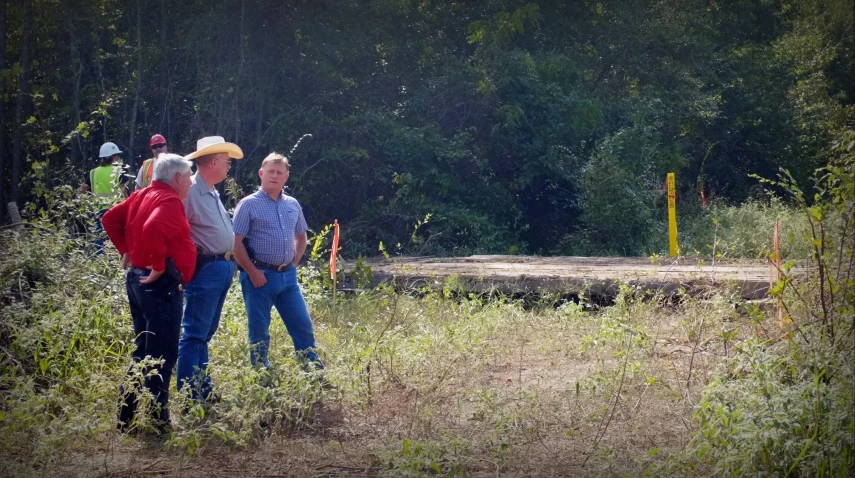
(434, 382)
(746, 231)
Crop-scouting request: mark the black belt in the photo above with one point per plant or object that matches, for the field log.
(265, 265)
(206, 258)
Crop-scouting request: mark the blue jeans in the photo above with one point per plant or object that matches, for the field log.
(283, 292)
(205, 295)
(156, 314)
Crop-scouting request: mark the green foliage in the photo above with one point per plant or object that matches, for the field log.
(441, 456)
(747, 231)
(782, 405)
(64, 341)
(531, 127)
(779, 410)
(443, 381)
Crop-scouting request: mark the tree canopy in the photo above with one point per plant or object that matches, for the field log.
(536, 127)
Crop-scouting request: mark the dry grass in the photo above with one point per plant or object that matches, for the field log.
(545, 392)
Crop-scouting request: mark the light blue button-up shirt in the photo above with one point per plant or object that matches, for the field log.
(270, 226)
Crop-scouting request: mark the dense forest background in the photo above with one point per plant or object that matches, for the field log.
(531, 127)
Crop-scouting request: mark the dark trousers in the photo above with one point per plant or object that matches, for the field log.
(156, 311)
(100, 237)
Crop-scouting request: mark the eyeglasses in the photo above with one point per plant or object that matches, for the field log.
(158, 146)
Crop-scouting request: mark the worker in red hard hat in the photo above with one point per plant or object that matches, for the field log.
(157, 143)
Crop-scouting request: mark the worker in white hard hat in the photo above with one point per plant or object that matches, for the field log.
(106, 180)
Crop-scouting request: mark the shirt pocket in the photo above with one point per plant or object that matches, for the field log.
(288, 217)
(262, 222)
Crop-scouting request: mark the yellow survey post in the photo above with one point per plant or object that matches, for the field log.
(672, 215)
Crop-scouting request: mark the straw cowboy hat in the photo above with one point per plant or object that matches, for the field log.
(215, 144)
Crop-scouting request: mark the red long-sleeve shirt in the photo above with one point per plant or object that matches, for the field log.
(151, 226)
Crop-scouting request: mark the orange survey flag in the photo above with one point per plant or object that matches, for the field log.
(334, 250)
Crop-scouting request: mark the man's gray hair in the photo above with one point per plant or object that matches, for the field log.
(168, 165)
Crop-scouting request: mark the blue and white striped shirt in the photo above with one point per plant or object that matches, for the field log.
(270, 225)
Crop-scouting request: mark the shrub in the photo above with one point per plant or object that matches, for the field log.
(783, 404)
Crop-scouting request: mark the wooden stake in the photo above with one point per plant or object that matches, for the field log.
(672, 216)
(335, 317)
(778, 275)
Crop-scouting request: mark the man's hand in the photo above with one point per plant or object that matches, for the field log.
(151, 277)
(126, 260)
(258, 278)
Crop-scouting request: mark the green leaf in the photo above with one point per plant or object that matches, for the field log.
(816, 212)
(654, 452)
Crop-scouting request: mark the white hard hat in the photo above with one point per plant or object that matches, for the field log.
(109, 149)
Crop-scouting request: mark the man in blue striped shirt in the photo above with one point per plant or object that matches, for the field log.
(275, 231)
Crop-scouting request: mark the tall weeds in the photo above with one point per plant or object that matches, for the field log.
(785, 403)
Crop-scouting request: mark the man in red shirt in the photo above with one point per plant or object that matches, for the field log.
(151, 232)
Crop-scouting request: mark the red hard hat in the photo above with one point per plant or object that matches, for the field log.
(156, 139)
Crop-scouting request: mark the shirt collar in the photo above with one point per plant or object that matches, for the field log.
(263, 193)
(204, 188)
(156, 184)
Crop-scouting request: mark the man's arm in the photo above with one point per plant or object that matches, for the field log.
(300, 241)
(166, 222)
(114, 221)
(242, 223)
(242, 257)
(85, 186)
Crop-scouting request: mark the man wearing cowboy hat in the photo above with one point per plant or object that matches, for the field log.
(212, 232)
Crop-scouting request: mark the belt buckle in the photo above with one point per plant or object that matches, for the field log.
(228, 255)
(282, 268)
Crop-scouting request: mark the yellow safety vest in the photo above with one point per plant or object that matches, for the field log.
(101, 180)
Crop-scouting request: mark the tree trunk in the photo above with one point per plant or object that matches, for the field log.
(77, 157)
(100, 67)
(131, 158)
(164, 71)
(21, 103)
(2, 111)
(237, 108)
